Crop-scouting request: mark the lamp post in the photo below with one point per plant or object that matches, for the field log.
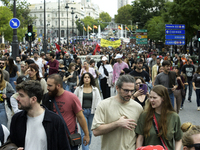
(72, 24)
(15, 47)
(47, 30)
(76, 17)
(67, 7)
(45, 40)
(59, 22)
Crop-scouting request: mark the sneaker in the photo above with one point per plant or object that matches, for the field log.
(198, 108)
(181, 108)
(189, 99)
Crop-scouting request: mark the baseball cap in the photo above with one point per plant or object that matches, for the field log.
(118, 56)
(104, 58)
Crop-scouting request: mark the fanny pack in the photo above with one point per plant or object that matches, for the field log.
(74, 139)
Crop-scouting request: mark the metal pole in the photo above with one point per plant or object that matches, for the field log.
(72, 26)
(59, 22)
(15, 46)
(67, 7)
(45, 40)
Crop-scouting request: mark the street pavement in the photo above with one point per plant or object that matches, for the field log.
(189, 113)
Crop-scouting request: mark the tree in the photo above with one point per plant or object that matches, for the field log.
(105, 17)
(124, 14)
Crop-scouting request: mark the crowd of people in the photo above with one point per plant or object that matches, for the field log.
(43, 96)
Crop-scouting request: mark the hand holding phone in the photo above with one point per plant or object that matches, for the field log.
(144, 88)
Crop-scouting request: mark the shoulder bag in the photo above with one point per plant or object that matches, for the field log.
(74, 139)
(157, 131)
(8, 146)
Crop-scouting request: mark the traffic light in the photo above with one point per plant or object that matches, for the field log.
(30, 30)
(26, 37)
(198, 35)
(33, 36)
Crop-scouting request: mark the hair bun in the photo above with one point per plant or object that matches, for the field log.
(186, 126)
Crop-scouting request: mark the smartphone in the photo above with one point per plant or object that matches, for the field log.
(144, 88)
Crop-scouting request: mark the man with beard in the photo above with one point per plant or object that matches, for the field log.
(36, 128)
(68, 104)
(67, 60)
(36, 58)
(139, 71)
(167, 79)
(115, 117)
(5, 73)
(53, 64)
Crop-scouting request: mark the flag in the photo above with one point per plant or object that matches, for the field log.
(95, 27)
(58, 47)
(89, 28)
(96, 49)
(127, 28)
(119, 28)
(74, 49)
(84, 28)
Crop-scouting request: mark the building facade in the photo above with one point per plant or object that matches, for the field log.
(81, 10)
(122, 3)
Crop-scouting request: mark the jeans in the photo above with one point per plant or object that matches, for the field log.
(74, 148)
(190, 89)
(171, 96)
(3, 116)
(89, 118)
(12, 82)
(183, 98)
(198, 97)
(72, 89)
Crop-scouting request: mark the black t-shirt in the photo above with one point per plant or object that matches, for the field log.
(60, 71)
(189, 71)
(67, 61)
(79, 70)
(142, 74)
(141, 103)
(14, 71)
(74, 78)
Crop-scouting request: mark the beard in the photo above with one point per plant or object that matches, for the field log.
(35, 57)
(53, 93)
(1, 67)
(124, 98)
(26, 108)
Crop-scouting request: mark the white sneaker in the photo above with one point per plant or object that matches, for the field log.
(198, 108)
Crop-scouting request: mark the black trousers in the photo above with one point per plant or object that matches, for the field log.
(105, 88)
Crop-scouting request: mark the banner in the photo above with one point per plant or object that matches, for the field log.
(114, 44)
(96, 58)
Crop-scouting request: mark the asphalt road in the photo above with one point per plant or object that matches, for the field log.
(189, 113)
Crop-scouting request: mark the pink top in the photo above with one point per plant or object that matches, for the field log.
(91, 71)
(69, 105)
(117, 70)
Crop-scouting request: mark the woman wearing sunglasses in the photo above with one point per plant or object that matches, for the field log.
(191, 138)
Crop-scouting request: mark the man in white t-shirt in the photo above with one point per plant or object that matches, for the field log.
(36, 128)
(39, 62)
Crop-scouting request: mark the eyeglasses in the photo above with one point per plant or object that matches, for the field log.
(196, 146)
(127, 91)
(138, 83)
(1, 63)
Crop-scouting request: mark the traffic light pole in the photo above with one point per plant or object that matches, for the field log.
(15, 46)
(199, 53)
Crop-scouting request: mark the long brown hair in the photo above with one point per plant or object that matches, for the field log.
(166, 109)
(36, 68)
(11, 64)
(2, 81)
(70, 66)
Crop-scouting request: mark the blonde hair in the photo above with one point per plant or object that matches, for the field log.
(186, 126)
(187, 139)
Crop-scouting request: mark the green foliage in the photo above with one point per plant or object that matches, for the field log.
(124, 14)
(105, 17)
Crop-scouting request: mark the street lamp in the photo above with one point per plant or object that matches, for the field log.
(47, 30)
(67, 7)
(45, 40)
(76, 17)
(72, 24)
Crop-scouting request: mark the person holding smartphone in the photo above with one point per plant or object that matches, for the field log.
(141, 94)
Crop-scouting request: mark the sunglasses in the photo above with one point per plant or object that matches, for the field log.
(1, 63)
(196, 146)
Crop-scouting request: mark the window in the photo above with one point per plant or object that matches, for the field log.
(48, 22)
(56, 23)
(56, 14)
(41, 23)
(62, 23)
(40, 7)
(40, 15)
(62, 33)
(48, 15)
(40, 31)
(62, 14)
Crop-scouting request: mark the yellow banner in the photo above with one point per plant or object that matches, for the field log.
(114, 44)
(141, 36)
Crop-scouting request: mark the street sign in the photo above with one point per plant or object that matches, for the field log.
(132, 37)
(141, 40)
(141, 36)
(176, 42)
(174, 37)
(174, 26)
(174, 31)
(14, 23)
(141, 30)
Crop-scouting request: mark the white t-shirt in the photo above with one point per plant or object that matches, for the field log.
(36, 138)
(6, 134)
(40, 65)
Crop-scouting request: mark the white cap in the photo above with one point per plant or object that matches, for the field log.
(104, 58)
(118, 56)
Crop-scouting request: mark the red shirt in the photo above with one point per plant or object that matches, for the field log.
(69, 105)
(53, 66)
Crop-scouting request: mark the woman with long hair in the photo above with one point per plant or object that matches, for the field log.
(78, 65)
(6, 91)
(159, 122)
(71, 78)
(139, 96)
(179, 89)
(196, 86)
(89, 97)
(13, 71)
(33, 72)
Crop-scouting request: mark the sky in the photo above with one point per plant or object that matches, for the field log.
(109, 6)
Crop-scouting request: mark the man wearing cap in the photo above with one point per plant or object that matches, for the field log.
(105, 70)
(118, 68)
(38, 61)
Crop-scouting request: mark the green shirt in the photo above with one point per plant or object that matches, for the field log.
(173, 130)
